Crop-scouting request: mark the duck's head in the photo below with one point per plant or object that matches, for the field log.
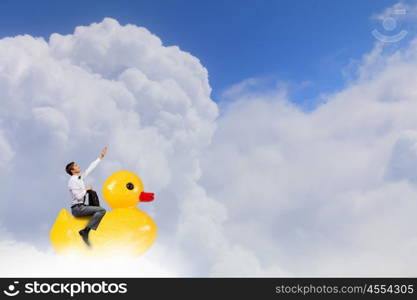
(124, 189)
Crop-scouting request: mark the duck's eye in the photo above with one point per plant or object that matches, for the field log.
(130, 186)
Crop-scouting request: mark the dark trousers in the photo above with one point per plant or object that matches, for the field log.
(94, 210)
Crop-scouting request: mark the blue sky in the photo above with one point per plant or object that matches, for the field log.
(293, 41)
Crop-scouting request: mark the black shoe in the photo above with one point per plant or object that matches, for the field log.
(84, 235)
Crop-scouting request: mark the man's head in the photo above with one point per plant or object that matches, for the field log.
(72, 168)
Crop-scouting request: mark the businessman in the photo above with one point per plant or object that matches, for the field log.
(80, 193)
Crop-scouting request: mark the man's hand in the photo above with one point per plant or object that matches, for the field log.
(87, 188)
(103, 152)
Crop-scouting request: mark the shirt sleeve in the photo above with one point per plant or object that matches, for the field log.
(76, 190)
(91, 167)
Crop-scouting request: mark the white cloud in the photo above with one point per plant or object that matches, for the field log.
(52, 122)
(329, 192)
(114, 85)
(106, 84)
(20, 259)
(6, 151)
(403, 10)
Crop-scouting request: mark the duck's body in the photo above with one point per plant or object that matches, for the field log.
(127, 230)
(64, 235)
(124, 230)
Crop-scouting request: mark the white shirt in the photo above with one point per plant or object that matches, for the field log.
(76, 183)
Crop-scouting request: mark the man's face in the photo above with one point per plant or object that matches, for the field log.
(75, 169)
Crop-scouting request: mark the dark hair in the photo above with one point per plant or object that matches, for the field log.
(68, 168)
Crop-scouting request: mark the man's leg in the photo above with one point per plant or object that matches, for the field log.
(97, 213)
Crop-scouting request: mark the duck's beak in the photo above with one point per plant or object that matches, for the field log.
(146, 197)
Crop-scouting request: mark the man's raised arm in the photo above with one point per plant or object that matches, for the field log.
(94, 164)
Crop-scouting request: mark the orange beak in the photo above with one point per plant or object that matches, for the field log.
(146, 197)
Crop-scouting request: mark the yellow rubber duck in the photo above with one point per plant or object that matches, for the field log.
(124, 230)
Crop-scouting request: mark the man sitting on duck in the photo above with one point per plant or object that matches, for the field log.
(79, 192)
